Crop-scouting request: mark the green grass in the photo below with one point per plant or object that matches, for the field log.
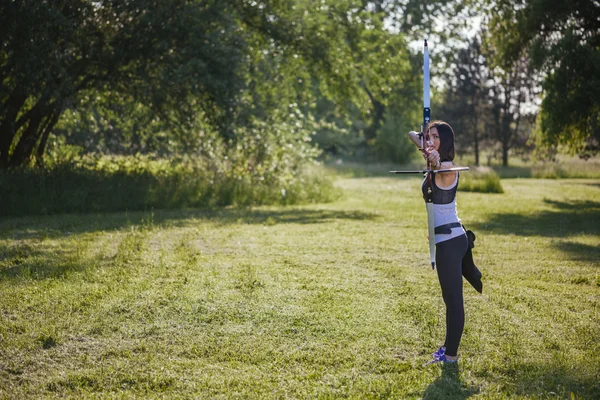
(477, 179)
(319, 301)
(564, 167)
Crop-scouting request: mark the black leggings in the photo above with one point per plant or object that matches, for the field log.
(448, 258)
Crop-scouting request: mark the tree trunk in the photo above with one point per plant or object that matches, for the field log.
(379, 110)
(22, 152)
(505, 138)
(8, 127)
(51, 122)
(476, 140)
(506, 117)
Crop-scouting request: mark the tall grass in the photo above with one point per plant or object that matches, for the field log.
(481, 180)
(571, 170)
(139, 183)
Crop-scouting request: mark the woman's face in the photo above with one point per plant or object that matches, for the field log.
(434, 137)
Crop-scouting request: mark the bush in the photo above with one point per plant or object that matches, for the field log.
(482, 180)
(138, 183)
(392, 143)
(265, 164)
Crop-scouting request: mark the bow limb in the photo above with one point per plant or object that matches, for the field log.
(431, 233)
(426, 119)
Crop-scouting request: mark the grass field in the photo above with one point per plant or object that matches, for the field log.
(322, 301)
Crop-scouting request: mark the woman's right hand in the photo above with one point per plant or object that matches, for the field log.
(433, 157)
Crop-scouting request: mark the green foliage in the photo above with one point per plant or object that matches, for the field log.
(171, 56)
(571, 170)
(115, 125)
(336, 142)
(158, 77)
(137, 183)
(481, 180)
(562, 41)
(560, 167)
(59, 152)
(467, 104)
(267, 164)
(570, 114)
(392, 143)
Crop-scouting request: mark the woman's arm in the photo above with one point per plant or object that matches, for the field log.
(445, 179)
(442, 179)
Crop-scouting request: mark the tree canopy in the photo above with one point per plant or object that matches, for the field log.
(166, 55)
(150, 75)
(562, 40)
(174, 63)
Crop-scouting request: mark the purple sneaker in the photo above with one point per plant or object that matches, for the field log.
(440, 352)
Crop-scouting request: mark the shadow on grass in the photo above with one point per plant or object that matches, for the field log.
(448, 385)
(24, 253)
(28, 261)
(580, 251)
(67, 224)
(564, 220)
(285, 216)
(567, 218)
(545, 380)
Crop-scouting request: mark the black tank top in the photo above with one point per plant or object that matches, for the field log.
(440, 196)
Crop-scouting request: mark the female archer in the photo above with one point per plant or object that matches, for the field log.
(451, 240)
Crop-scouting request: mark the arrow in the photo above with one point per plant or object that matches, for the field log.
(424, 171)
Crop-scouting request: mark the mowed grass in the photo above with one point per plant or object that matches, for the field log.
(322, 301)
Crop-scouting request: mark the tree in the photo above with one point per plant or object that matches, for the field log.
(562, 40)
(167, 55)
(224, 62)
(509, 92)
(466, 103)
(488, 101)
(356, 68)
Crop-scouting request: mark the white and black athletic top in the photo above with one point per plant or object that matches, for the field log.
(444, 208)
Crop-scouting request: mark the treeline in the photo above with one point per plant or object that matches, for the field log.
(273, 80)
(197, 77)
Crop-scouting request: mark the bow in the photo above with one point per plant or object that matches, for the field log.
(426, 119)
(419, 140)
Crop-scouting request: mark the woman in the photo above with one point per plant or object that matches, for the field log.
(450, 237)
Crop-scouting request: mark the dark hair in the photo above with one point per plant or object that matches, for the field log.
(446, 132)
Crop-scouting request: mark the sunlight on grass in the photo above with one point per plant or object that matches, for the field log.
(317, 301)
